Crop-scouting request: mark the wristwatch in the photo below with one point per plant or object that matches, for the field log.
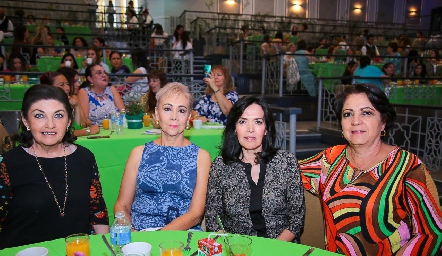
(88, 130)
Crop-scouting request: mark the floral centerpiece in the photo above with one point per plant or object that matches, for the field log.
(134, 114)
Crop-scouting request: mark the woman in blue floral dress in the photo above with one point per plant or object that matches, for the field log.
(219, 99)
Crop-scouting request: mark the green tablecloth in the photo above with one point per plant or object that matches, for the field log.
(331, 70)
(260, 246)
(11, 96)
(430, 95)
(111, 154)
(47, 63)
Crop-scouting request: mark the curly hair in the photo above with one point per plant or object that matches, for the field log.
(231, 149)
(376, 97)
(40, 92)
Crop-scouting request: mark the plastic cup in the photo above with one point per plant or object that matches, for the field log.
(89, 61)
(137, 248)
(68, 63)
(197, 124)
(77, 243)
(33, 251)
(239, 245)
(105, 123)
(171, 248)
(146, 120)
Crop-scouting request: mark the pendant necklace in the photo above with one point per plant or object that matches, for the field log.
(62, 210)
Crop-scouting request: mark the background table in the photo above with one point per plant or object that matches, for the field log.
(260, 246)
(11, 96)
(429, 95)
(49, 63)
(111, 154)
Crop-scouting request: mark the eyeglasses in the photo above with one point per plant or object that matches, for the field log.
(99, 72)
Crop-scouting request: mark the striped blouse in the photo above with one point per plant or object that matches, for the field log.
(391, 208)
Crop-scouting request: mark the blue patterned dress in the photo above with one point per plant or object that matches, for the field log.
(100, 104)
(211, 110)
(165, 182)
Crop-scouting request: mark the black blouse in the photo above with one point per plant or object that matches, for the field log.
(28, 212)
(258, 221)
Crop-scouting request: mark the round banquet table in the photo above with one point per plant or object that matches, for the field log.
(260, 246)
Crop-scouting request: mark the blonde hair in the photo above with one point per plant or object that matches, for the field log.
(228, 82)
(174, 88)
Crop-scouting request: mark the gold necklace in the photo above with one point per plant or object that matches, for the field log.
(49, 184)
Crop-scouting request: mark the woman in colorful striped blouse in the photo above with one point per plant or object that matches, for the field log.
(377, 199)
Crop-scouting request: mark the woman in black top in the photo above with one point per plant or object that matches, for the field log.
(49, 187)
(254, 187)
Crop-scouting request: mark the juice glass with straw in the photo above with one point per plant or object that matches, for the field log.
(171, 248)
(77, 244)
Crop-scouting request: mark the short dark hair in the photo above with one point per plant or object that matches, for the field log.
(393, 45)
(49, 77)
(139, 58)
(231, 149)
(364, 61)
(85, 44)
(43, 92)
(376, 97)
(302, 45)
(61, 28)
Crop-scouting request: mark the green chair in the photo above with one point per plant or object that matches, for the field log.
(256, 39)
(9, 41)
(294, 39)
(321, 52)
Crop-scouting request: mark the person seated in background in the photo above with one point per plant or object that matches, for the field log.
(149, 199)
(330, 52)
(266, 46)
(68, 60)
(389, 73)
(140, 84)
(16, 63)
(420, 73)
(30, 20)
(413, 59)
(377, 199)
(133, 20)
(21, 40)
(60, 36)
(253, 187)
(219, 99)
(394, 57)
(419, 43)
(182, 44)
(148, 20)
(350, 54)
(81, 121)
(78, 44)
(48, 181)
(366, 72)
(97, 99)
(100, 43)
(347, 76)
(40, 39)
(116, 61)
(434, 68)
(302, 59)
(94, 53)
(6, 25)
(322, 44)
(148, 101)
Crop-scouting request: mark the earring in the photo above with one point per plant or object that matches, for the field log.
(28, 129)
(187, 126)
(157, 122)
(383, 133)
(67, 128)
(342, 134)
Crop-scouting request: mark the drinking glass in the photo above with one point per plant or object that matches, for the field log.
(239, 245)
(77, 243)
(171, 248)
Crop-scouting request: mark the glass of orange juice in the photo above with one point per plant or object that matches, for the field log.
(171, 248)
(7, 78)
(76, 244)
(105, 122)
(24, 78)
(146, 118)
